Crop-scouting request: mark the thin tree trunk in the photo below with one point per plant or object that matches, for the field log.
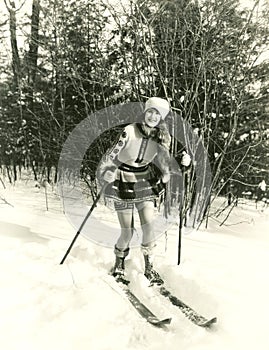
(33, 46)
(16, 65)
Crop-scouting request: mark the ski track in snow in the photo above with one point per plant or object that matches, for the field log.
(45, 305)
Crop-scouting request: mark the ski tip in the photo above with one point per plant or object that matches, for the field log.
(209, 323)
(166, 321)
(161, 323)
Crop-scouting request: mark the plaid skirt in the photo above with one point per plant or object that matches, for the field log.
(135, 184)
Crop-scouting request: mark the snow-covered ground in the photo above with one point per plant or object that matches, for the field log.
(45, 305)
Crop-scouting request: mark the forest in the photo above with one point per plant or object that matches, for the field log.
(64, 60)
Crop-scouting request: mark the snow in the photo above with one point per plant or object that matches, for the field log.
(45, 305)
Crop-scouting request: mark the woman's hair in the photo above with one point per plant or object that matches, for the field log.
(163, 135)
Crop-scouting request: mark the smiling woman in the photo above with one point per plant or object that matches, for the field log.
(152, 117)
(136, 170)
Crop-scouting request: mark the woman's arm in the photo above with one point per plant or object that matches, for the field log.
(107, 162)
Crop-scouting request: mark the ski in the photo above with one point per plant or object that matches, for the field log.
(158, 283)
(190, 313)
(141, 308)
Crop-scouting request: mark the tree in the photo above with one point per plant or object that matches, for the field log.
(16, 64)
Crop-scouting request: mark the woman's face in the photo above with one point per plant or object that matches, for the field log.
(152, 117)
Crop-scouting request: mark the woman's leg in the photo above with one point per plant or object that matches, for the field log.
(146, 215)
(125, 217)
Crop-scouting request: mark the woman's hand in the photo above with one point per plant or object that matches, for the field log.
(109, 176)
(165, 178)
(186, 159)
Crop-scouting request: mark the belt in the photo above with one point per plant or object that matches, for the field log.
(133, 169)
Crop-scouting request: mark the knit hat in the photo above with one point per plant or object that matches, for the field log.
(158, 103)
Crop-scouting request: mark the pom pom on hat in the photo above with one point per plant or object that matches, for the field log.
(158, 103)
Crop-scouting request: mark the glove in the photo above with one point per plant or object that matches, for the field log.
(186, 159)
(165, 178)
(109, 176)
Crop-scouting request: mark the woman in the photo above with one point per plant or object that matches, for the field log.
(136, 170)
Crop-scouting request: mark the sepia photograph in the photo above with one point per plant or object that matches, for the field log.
(134, 174)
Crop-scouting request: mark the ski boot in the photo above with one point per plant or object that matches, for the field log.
(150, 273)
(118, 271)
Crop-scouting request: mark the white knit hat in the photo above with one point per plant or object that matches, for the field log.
(158, 103)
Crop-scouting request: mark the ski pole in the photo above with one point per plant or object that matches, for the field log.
(83, 222)
(182, 213)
